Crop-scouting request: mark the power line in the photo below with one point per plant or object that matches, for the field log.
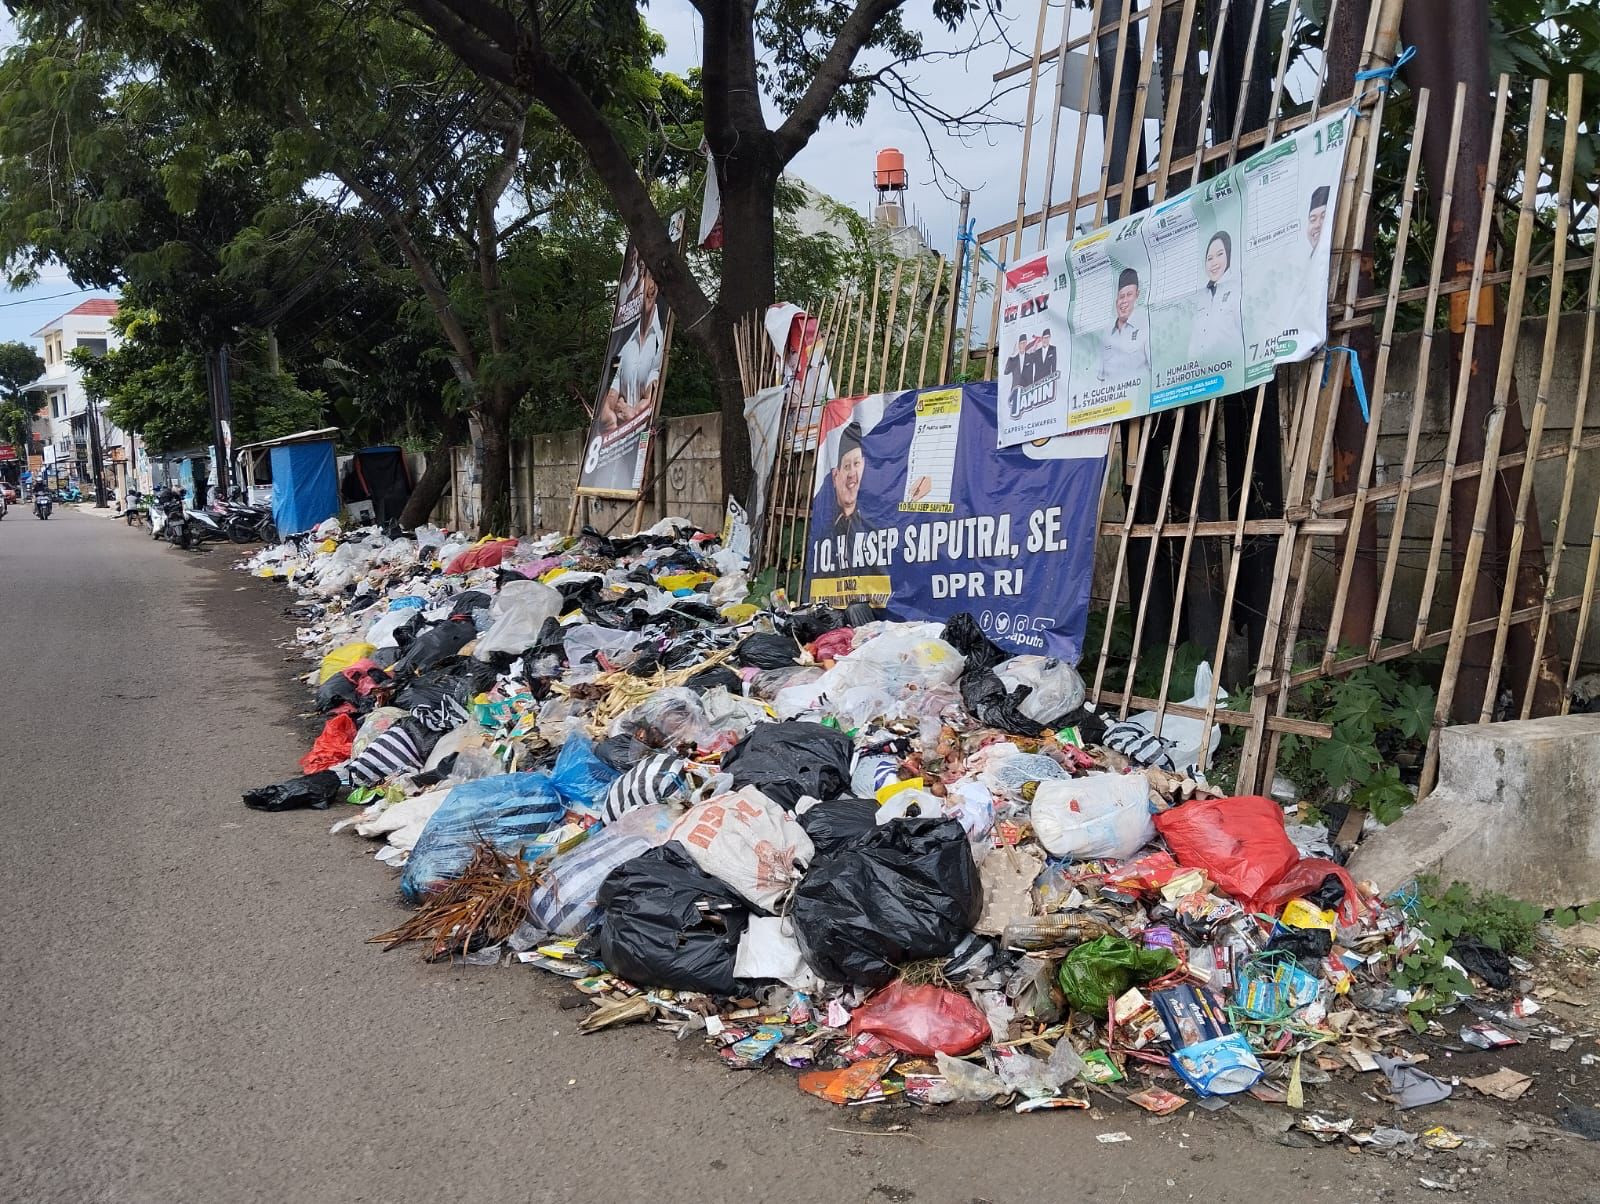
(52, 297)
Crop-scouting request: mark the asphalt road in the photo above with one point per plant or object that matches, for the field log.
(191, 1013)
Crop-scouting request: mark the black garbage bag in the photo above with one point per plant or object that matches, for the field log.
(1482, 961)
(667, 923)
(903, 892)
(435, 644)
(788, 760)
(717, 675)
(966, 637)
(842, 822)
(1306, 945)
(314, 790)
(767, 651)
(468, 601)
(347, 686)
(622, 752)
(806, 625)
(859, 614)
(987, 700)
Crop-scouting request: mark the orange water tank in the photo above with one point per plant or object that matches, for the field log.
(891, 173)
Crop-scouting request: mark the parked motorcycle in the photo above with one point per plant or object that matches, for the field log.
(167, 517)
(43, 503)
(245, 523)
(71, 493)
(204, 526)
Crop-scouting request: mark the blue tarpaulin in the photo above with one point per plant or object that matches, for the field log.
(305, 486)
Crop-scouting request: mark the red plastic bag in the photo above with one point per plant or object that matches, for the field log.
(1305, 878)
(922, 1020)
(1239, 842)
(332, 746)
(481, 556)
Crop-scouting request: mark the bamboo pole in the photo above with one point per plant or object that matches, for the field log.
(1580, 411)
(1154, 547)
(1420, 390)
(1141, 90)
(888, 328)
(1249, 71)
(861, 313)
(972, 304)
(911, 315)
(1497, 421)
(1143, 436)
(1169, 122)
(1469, 339)
(1091, 54)
(1284, 45)
(1109, 103)
(927, 326)
(1380, 383)
(872, 334)
(1055, 121)
(1547, 363)
(1197, 160)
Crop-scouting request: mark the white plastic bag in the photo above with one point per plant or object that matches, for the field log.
(1056, 687)
(1102, 815)
(618, 646)
(1177, 746)
(769, 949)
(748, 841)
(519, 611)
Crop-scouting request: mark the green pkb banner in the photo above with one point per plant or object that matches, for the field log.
(1201, 296)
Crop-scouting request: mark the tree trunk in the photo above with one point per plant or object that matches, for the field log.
(749, 258)
(1464, 56)
(430, 487)
(494, 421)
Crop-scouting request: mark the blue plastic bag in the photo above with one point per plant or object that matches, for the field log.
(508, 810)
(580, 777)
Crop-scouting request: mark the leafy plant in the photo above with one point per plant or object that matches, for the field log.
(1493, 919)
(1379, 714)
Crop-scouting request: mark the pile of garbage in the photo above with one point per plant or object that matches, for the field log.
(891, 856)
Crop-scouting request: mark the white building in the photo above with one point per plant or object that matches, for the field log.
(62, 430)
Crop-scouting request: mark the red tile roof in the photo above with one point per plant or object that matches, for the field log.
(103, 307)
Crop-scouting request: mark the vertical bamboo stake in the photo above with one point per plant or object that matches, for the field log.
(990, 352)
(888, 328)
(1419, 393)
(1109, 104)
(1497, 422)
(1174, 99)
(911, 317)
(1249, 70)
(1183, 573)
(1380, 382)
(1091, 53)
(1441, 516)
(1154, 549)
(1580, 410)
(1140, 91)
(1584, 607)
(972, 305)
(927, 327)
(872, 333)
(1027, 130)
(1205, 95)
(1283, 66)
(1055, 125)
(1547, 363)
(1143, 435)
(850, 382)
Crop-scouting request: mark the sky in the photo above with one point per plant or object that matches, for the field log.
(839, 159)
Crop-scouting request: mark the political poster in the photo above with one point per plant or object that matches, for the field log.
(1201, 296)
(915, 510)
(618, 444)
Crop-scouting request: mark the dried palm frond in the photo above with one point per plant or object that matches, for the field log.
(627, 691)
(480, 908)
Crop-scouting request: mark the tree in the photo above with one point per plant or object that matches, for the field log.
(20, 366)
(803, 57)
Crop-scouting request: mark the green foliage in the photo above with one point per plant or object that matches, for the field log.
(1377, 712)
(1443, 915)
(20, 366)
(1566, 917)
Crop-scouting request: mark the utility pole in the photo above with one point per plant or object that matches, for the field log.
(96, 455)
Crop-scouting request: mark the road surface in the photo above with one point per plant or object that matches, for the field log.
(192, 1014)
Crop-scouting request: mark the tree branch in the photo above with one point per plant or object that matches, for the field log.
(486, 202)
(831, 75)
(492, 60)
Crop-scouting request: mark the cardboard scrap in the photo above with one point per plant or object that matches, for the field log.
(1503, 1084)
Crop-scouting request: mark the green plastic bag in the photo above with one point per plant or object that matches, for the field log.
(1108, 966)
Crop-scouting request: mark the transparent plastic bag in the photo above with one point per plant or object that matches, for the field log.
(1055, 689)
(582, 639)
(518, 611)
(667, 719)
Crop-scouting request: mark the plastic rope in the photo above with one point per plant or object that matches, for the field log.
(1356, 376)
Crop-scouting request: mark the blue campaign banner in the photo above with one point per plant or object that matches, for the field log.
(915, 510)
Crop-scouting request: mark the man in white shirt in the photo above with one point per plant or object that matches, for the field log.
(1125, 347)
(638, 378)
